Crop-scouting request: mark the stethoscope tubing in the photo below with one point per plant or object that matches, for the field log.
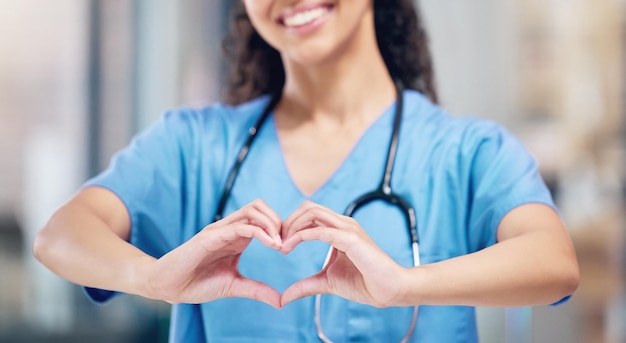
(383, 192)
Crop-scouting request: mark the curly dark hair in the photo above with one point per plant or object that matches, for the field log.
(256, 67)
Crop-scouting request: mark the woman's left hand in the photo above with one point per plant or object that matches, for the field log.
(357, 270)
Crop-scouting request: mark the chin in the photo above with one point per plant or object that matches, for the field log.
(315, 55)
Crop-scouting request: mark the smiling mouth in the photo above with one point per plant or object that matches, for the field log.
(304, 17)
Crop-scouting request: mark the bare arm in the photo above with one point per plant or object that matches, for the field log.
(86, 242)
(533, 263)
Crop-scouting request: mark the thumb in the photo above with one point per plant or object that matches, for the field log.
(252, 289)
(316, 284)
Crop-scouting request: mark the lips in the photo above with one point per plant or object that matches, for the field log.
(304, 15)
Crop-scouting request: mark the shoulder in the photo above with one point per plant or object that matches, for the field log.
(436, 125)
(215, 115)
(212, 125)
(191, 134)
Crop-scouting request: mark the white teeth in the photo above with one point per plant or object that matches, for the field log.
(306, 17)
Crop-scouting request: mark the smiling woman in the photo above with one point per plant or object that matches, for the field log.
(331, 97)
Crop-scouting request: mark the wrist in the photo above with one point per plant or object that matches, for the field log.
(140, 277)
(411, 287)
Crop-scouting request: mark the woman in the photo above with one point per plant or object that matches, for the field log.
(330, 75)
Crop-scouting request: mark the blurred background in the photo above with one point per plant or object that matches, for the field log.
(79, 77)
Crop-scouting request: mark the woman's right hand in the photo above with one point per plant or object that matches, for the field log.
(205, 268)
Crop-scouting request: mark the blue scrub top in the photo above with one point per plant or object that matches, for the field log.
(462, 175)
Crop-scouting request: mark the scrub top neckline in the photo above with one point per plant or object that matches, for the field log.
(381, 122)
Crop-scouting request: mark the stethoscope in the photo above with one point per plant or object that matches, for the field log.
(383, 192)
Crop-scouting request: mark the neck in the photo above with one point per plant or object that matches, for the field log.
(354, 85)
(339, 92)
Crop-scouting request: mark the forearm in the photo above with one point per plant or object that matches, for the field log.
(531, 269)
(78, 246)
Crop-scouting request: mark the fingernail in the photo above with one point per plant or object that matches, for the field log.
(278, 240)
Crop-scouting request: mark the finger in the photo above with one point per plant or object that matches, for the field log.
(252, 289)
(367, 257)
(311, 215)
(253, 231)
(358, 247)
(249, 214)
(328, 235)
(316, 284)
(217, 238)
(254, 215)
(267, 211)
(304, 207)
